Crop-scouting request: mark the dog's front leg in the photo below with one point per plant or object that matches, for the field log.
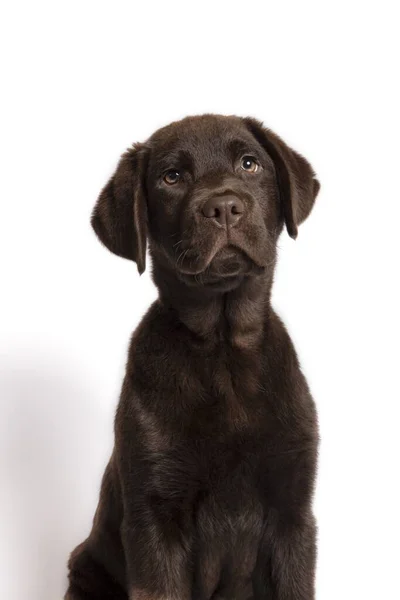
(157, 555)
(156, 523)
(286, 563)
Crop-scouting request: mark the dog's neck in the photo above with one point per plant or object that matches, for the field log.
(236, 317)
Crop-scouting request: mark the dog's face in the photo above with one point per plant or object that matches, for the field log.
(212, 202)
(211, 193)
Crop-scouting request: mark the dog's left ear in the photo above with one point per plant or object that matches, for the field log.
(297, 184)
(119, 217)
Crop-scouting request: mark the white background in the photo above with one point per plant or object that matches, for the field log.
(80, 82)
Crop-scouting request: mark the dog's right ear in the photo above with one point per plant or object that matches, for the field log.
(119, 217)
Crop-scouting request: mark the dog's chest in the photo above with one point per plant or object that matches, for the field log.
(233, 389)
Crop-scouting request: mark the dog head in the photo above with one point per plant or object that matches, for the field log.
(210, 194)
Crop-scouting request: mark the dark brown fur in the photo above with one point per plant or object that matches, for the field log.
(208, 491)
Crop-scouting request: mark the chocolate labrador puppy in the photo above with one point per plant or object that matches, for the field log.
(208, 491)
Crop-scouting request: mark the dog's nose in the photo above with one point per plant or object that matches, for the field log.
(225, 210)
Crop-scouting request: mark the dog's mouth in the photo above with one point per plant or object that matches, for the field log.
(229, 262)
(215, 258)
(224, 268)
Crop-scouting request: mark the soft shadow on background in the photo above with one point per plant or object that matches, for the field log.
(50, 471)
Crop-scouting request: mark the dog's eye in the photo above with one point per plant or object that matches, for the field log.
(171, 177)
(249, 164)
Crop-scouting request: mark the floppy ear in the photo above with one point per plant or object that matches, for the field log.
(119, 217)
(296, 180)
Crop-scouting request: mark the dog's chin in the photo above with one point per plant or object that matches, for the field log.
(226, 270)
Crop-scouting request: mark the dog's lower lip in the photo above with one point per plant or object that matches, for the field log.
(221, 278)
(194, 272)
(190, 272)
(232, 255)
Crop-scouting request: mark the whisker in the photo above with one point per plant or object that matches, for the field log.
(183, 258)
(177, 261)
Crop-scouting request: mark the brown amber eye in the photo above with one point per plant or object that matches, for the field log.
(249, 164)
(171, 177)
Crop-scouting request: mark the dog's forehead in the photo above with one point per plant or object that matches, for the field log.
(199, 137)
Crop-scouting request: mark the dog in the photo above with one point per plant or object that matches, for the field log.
(208, 492)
